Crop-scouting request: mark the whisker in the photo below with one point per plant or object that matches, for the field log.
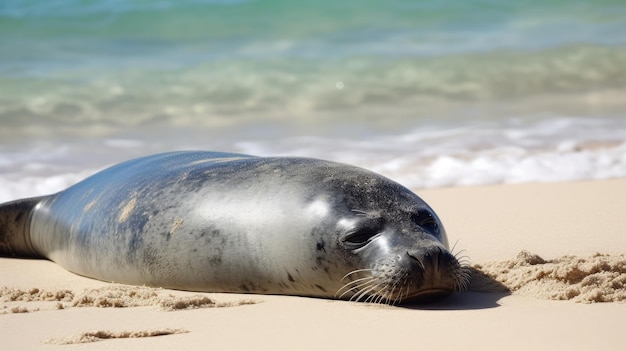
(403, 295)
(454, 246)
(462, 277)
(379, 297)
(357, 295)
(460, 255)
(359, 212)
(365, 291)
(421, 264)
(371, 297)
(384, 293)
(390, 293)
(357, 287)
(374, 290)
(463, 259)
(466, 276)
(355, 272)
(354, 282)
(406, 292)
(353, 285)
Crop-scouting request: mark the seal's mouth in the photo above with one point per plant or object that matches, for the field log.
(393, 281)
(399, 288)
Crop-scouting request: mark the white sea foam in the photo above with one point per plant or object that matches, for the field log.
(515, 151)
(550, 150)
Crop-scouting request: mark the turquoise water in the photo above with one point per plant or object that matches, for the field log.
(87, 83)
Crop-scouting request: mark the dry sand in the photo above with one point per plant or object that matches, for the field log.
(549, 274)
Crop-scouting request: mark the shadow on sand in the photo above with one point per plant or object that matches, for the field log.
(483, 292)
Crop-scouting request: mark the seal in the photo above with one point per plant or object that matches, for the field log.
(225, 222)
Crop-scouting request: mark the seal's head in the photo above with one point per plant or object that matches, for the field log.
(399, 247)
(403, 259)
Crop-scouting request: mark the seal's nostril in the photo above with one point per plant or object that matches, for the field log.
(434, 258)
(419, 261)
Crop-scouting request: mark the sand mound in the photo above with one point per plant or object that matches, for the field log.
(100, 335)
(598, 278)
(112, 296)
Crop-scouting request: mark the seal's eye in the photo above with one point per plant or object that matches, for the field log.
(426, 220)
(363, 234)
(359, 238)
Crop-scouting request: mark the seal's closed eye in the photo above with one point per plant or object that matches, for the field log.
(426, 221)
(363, 233)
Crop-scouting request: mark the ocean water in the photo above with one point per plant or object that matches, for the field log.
(430, 93)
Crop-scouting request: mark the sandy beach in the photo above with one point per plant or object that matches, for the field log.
(44, 307)
(508, 120)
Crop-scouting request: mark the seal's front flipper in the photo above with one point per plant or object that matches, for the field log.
(15, 228)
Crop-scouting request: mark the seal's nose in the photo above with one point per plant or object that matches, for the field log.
(428, 257)
(433, 263)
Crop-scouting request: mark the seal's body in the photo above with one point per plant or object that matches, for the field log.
(220, 222)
